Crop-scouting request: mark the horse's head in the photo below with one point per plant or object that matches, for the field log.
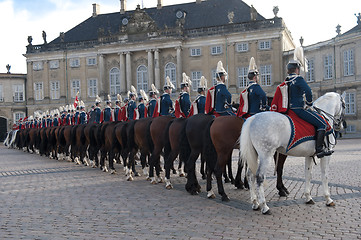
(340, 122)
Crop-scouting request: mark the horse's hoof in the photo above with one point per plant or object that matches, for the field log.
(174, 171)
(181, 175)
(113, 171)
(136, 174)
(130, 178)
(256, 208)
(204, 177)
(310, 202)
(153, 182)
(148, 179)
(225, 198)
(282, 193)
(268, 212)
(331, 204)
(160, 180)
(169, 186)
(211, 196)
(226, 180)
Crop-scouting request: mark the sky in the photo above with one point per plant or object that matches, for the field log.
(314, 20)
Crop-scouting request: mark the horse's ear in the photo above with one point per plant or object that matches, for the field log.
(343, 95)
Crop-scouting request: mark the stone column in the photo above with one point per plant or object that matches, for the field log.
(101, 80)
(150, 68)
(128, 70)
(123, 87)
(156, 68)
(179, 65)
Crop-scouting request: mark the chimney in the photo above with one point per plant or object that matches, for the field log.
(96, 9)
(123, 6)
(160, 4)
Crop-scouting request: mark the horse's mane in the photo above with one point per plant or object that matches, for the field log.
(326, 97)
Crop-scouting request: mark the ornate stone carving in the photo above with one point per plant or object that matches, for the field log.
(253, 13)
(44, 37)
(140, 22)
(8, 66)
(230, 17)
(140, 61)
(30, 40)
(169, 58)
(275, 10)
(62, 37)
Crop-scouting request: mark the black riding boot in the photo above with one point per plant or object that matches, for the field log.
(320, 151)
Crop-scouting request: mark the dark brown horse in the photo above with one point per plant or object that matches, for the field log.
(120, 143)
(90, 133)
(157, 130)
(65, 141)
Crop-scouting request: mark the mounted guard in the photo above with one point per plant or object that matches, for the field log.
(97, 110)
(117, 108)
(165, 107)
(183, 103)
(107, 114)
(143, 99)
(152, 102)
(199, 103)
(132, 106)
(83, 115)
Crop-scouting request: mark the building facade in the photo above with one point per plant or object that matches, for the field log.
(12, 100)
(107, 53)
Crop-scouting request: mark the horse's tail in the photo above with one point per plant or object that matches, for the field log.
(130, 136)
(73, 135)
(115, 142)
(6, 139)
(124, 136)
(209, 152)
(149, 137)
(92, 136)
(248, 152)
(82, 136)
(167, 146)
(62, 140)
(184, 147)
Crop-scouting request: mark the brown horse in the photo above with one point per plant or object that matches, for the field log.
(171, 148)
(78, 144)
(120, 140)
(157, 132)
(90, 132)
(224, 133)
(65, 140)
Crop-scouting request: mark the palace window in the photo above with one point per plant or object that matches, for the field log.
(216, 50)
(1, 93)
(91, 61)
(328, 67)
(242, 47)
(38, 91)
(350, 101)
(75, 87)
(311, 70)
(266, 75)
(92, 87)
(348, 63)
(54, 64)
(114, 76)
(170, 71)
(75, 62)
(55, 90)
(264, 45)
(242, 77)
(18, 116)
(350, 128)
(18, 93)
(37, 66)
(195, 52)
(196, 77)
(142, 78)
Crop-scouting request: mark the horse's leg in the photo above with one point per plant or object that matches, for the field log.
(264, 160)
(238, 181)
(252, 189)
(308, 176)
(229, 165)
(129, 170)
(204, 176)
(220, 165)
(111, 162)
(282, 190)
(143, 161)
(325, 162)
(180, 169)
(192, 185)
(210, 193)
(226, 179)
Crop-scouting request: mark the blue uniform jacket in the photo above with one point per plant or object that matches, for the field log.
(141, 108)
(76, 117)
(43, 123)
(166, 105)
(131, 107)
(116, 112)
(201, 103)
(151, 107)
(55, 122)
(107, 114)
(185, 103)
(257, 98)
(297, 87)
(223, 96)
(97, 113)
(82, 117)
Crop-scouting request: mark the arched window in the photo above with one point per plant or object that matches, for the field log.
(142, 78)
(170, 70)
(114, 78)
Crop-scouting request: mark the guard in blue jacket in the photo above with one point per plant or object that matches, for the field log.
(106, 115)
(141, 107)
(55, 120)
(297, 88)
(166, 104)
(184, 100)
(223, 96)
(131, 106)
(82, 116)
(76, 116)
(153, 101)
(201, 98)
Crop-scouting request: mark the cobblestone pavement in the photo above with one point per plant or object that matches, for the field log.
(43, 198)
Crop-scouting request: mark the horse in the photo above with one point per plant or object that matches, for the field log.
(65, 141)
(90, 132)
(220, 139)
(265, 133)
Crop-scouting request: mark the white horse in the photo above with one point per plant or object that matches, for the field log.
(265, 133)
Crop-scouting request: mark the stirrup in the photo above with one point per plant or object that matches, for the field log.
(324, 153)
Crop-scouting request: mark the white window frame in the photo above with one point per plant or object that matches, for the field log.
(216, 50)
(196, 78)
(54, 64)
(38, 91)
(266, 75)
(242, 47)
(17, 116)
(242, 77)
(170, 70)
(350, 101)
(195, 52)
(264, 45)
(328, 67)
(75, 87)
(18, 93)
(311, 70)
(114, 81)
(350, 128)
(348, 63)
(37, 66)
(142, 78)
(92, 87)
(54, 89)
(75, 62)
(91, 61)
(1, 93)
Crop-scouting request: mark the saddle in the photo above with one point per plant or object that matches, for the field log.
(301, 131)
